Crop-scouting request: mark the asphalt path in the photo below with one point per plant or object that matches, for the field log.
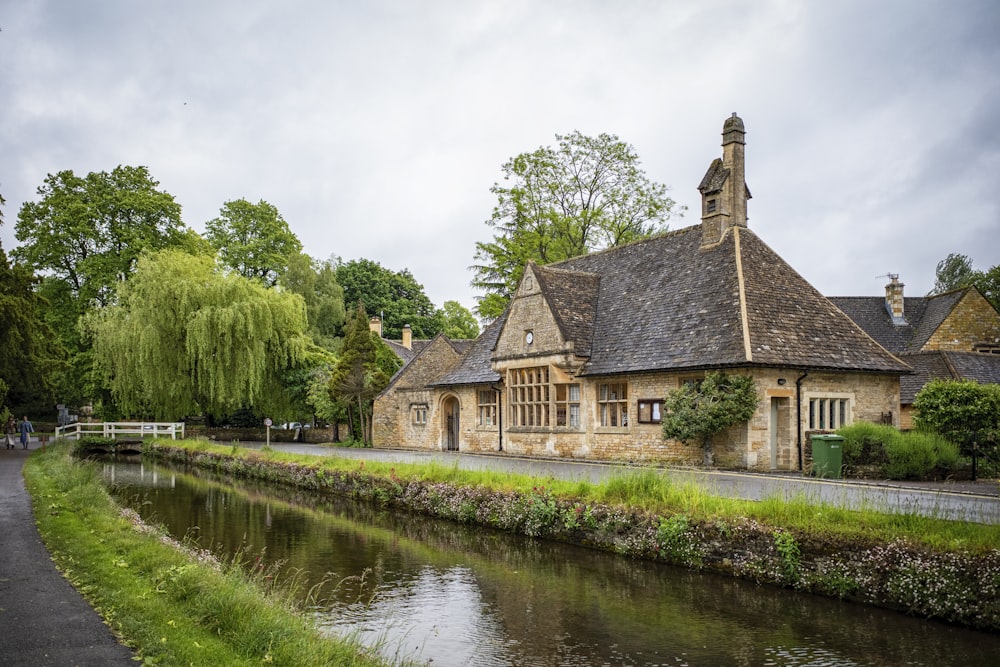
(43, 619)
(977, 502)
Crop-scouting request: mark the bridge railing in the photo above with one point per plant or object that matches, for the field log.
(173, 430)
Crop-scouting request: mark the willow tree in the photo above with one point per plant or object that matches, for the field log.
(185, 337)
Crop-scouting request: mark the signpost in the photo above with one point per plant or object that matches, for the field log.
(267, 423)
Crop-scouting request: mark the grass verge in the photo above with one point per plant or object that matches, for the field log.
(173, 606)
(651, 491)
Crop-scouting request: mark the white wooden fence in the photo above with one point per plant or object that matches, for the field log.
(115, 429)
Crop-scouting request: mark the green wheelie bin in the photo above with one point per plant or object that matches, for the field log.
(828, 455)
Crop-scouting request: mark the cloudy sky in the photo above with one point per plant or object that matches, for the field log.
(377, 128)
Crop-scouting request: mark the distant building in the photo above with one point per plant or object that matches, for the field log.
(954, 336)
(579, 363)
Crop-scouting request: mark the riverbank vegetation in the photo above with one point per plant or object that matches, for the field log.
(948, 570)
(172, 605)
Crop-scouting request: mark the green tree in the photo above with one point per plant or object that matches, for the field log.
(89, 232)
(967, 413)
(956, 271)
(697, 411)
(586, 194)
(394, 296)
(459, 322)
(253, 240)
(29, 354)
(85, 235)
(316, 282)
(186, 338)
(364, 368)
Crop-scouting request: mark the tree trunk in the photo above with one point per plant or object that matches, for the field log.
(709, 455)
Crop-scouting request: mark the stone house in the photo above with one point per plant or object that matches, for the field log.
(579, 363)
(954, 336)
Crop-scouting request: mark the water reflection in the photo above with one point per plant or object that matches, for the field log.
(453, 595)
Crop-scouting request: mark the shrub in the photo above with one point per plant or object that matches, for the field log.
(864, 443)
(910, 457)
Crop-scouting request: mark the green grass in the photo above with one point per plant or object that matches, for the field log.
(649, 489)
(170, 605)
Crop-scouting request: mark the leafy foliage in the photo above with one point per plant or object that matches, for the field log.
(697, 411)
(316, 282)
(955, 271)
(253, 240)
(85, 235)
(966, 413)
(586, 194)
(186, 338)
(89, 232)
(459, 322)
(394, 296)
(29, 354)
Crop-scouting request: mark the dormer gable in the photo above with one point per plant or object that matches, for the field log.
(550, 313)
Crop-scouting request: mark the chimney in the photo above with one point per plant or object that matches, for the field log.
(724, 192)
(407, 337)
(375, 326)
(894, 300)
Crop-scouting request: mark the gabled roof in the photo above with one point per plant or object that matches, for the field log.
(947, 365)
(426, 347)
(474, 367)
(923, 316)
(667, 303)
(572, 296)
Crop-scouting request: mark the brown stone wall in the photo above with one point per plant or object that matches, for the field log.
(746, 446)
(972, 321)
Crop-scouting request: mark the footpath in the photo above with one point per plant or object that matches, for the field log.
(43, 619)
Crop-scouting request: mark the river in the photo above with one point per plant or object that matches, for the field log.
(447, 594)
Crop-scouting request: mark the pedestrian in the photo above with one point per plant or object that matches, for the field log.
(10, 428)
(26, 428)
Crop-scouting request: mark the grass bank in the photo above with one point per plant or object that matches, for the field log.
(933, 568)
(172, 605)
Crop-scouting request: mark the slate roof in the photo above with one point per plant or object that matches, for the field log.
(666, 303)
(947, 365)
(923, 316)
(572, 296)
(474, 366)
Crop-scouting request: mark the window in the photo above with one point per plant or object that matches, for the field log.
(612, 400)
(487, 402)
(419, 414)
(529, 396)
(828, 414)
(650, 410)
(568, 405)
(711, 206)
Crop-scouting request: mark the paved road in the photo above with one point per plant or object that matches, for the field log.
(977, 502)
(43, 619)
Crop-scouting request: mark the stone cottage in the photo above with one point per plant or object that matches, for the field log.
(579, 363)
(953, 336)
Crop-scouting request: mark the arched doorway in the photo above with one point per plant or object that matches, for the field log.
(450, 424)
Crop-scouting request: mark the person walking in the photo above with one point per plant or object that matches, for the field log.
(10, 428)
(26, 428)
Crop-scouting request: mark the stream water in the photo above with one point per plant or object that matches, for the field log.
(446, 594)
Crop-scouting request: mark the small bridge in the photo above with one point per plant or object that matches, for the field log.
(173, 430)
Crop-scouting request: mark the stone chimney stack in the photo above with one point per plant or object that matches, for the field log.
(894, 300)
(724, 191)
(407, 337)
(375, 326)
